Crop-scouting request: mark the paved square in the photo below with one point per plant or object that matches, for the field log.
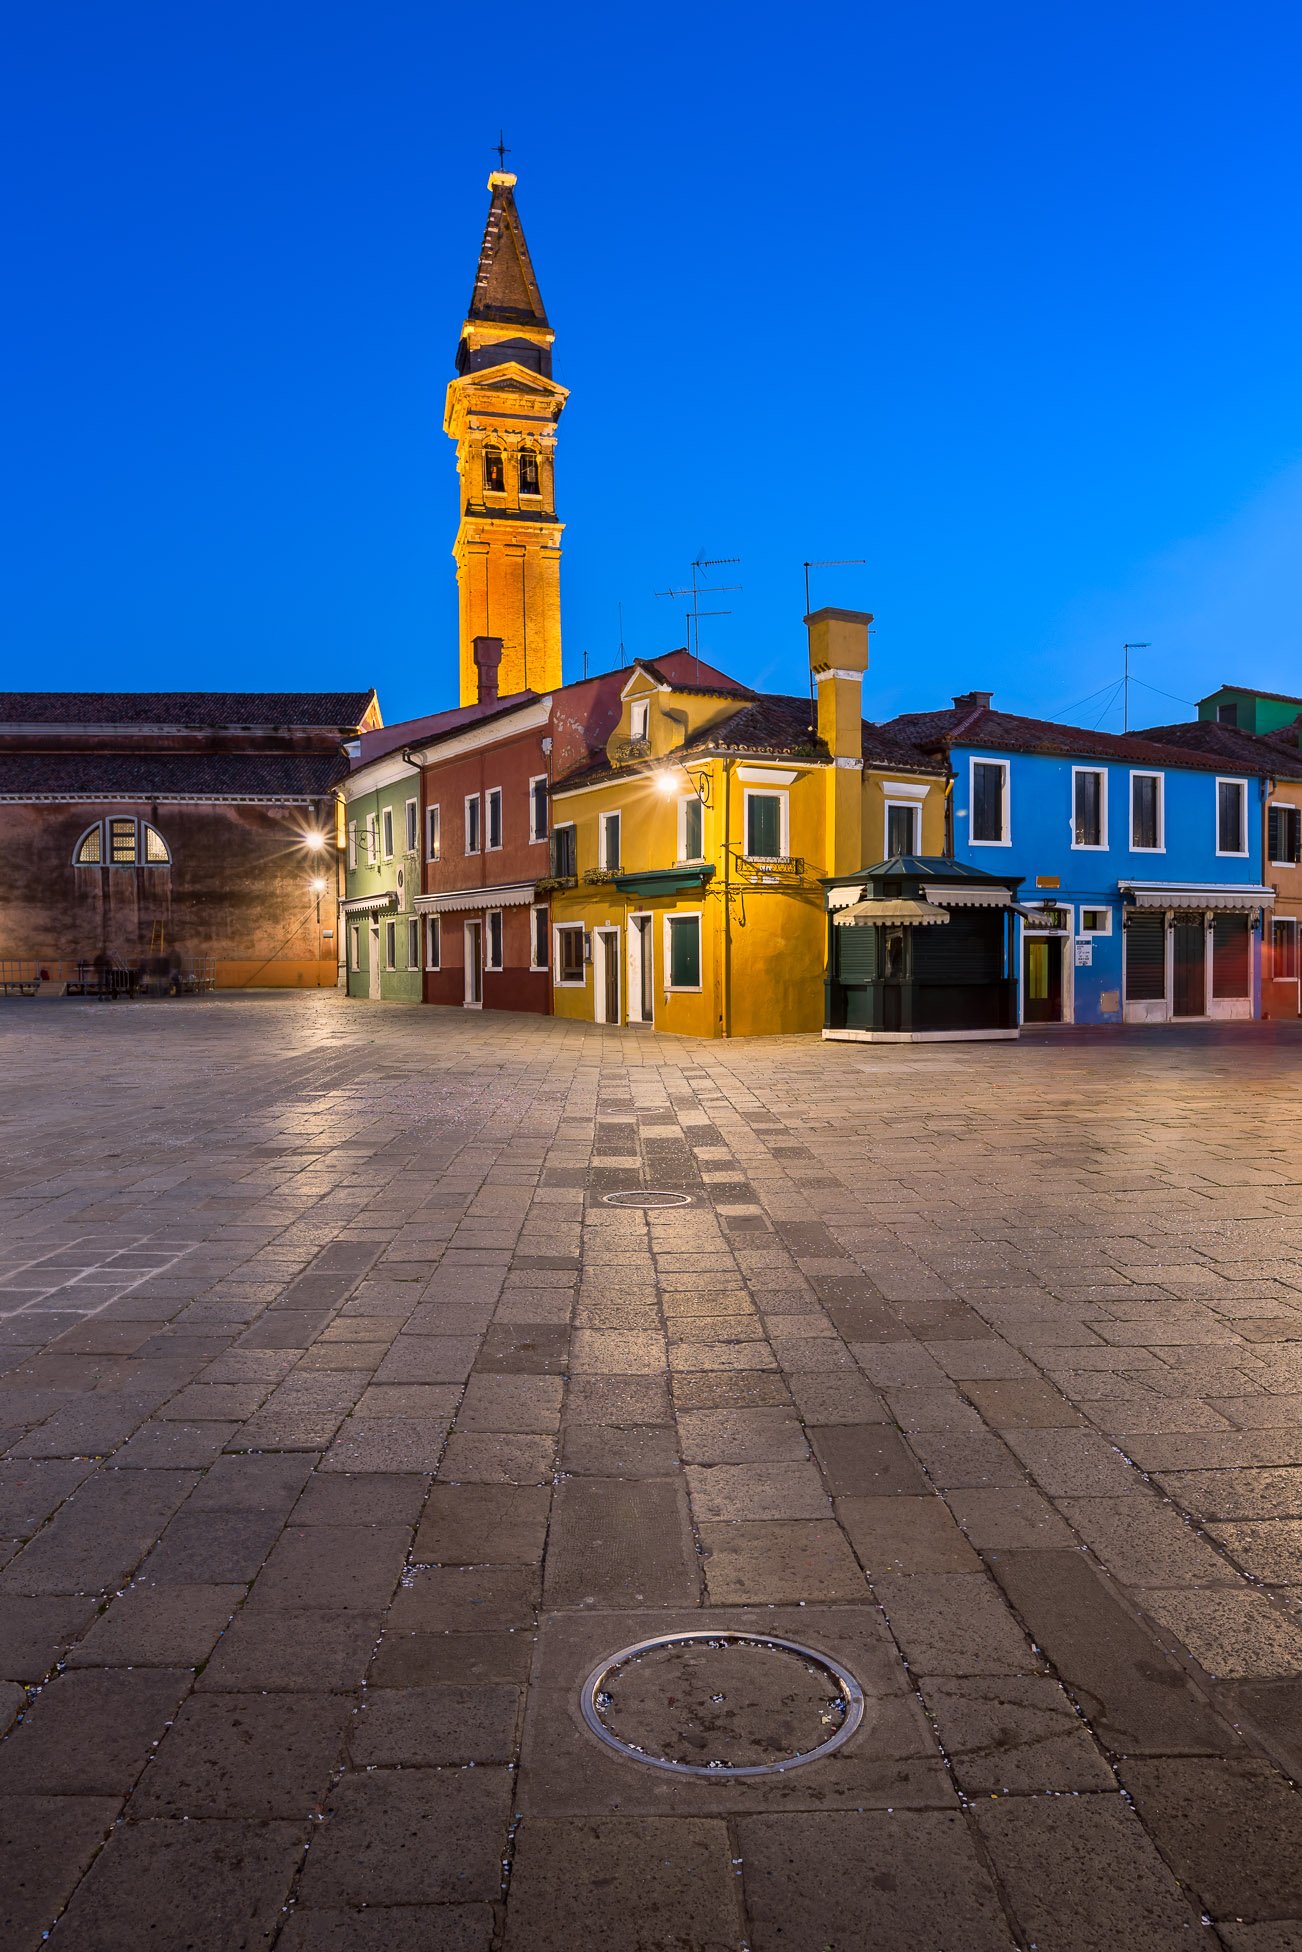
(346, 1425)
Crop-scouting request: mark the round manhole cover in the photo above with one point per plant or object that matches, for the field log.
(647, 1197)
(722, 1704)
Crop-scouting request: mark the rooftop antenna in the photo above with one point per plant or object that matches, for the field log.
(620, 608)
(825, 562)
(696, 591)
(1125, 683)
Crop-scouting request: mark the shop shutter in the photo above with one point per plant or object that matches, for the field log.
(1145, 958)
(1231, 963)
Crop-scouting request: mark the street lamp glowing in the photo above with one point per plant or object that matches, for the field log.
(315, 841)
(667, 781)
(318, 886)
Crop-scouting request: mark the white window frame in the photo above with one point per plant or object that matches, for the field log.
(413, 942)
(538, 909)
(685, 801)
(666, 954)
(568, 982)
(1091, 846)
(386, 831)
(603, 860)
(639, 718)
(1232, 853)
(492, 798)
(473, 800)
(1095, 908)
(492, 915)
(783, 797)
(372, 839)
(538, 779)
(355, 947)
(390, 945)
(433, 942)
(433, 833)
(560, 827)
(1141, 772)
(411, 808)
(891, 806)
(1006, 799)
(352, 843)
(1281, 806)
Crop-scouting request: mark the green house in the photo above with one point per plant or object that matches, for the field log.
(1250, 711)
(383, 936)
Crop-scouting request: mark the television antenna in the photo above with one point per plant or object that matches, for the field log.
(825, 562)
(696, 590)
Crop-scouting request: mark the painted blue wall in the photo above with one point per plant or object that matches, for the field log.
(1040, 825)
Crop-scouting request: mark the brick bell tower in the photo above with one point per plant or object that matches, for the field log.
(502, 412)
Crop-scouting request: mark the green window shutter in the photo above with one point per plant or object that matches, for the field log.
(685, 952)
(692, 834)
(764, 826)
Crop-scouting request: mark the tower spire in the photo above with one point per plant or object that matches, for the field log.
(502, 412)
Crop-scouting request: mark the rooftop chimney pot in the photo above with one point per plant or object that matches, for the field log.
(488, 655)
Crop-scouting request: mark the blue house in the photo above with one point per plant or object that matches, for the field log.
(1141, 862)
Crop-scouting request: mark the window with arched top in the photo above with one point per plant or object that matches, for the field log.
(528, 472)
(494, 471)
(121, 841)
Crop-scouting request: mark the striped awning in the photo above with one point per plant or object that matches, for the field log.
(979, 895)
(890, 914)
(517, 895)
(369, 904)
(842, 897)
(1216, 895)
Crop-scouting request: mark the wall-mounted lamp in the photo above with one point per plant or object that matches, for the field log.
(669, 783)
(314, 841)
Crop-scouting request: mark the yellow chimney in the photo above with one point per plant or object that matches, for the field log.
(838, 659)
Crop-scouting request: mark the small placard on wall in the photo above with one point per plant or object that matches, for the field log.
(1085, 954)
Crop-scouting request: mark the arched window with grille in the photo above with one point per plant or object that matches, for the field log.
(494, 471)
(528, 472)
(121, 841)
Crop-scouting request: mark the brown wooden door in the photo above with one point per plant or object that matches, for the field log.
(1042, 995)
(610, 943)
(1189, 979)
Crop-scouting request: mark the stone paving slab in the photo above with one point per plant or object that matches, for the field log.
(344, 1429)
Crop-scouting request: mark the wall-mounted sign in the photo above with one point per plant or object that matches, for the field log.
(1048, 881)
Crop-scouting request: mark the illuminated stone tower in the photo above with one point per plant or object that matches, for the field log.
(502, 412)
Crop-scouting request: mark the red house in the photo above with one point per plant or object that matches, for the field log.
(487, 856)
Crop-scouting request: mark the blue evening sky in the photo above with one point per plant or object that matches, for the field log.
(1003, 298)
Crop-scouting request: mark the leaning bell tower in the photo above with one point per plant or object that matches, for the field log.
(502, 412)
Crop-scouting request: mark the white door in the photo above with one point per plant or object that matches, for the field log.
(641, 972)
(474, 935)
(374, 966)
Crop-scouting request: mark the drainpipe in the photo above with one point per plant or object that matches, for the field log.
(727, 898)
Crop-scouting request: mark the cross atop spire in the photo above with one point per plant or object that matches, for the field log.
(502, 151)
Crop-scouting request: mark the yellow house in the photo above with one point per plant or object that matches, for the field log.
(688, 861)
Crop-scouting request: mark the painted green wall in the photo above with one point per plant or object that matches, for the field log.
(403, 983)
(1256, 713)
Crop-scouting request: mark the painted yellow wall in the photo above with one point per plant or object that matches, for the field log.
(775, 917)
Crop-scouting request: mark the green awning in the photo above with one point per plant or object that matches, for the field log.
(663, 881)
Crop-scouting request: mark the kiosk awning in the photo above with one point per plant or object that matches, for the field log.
(890, 914)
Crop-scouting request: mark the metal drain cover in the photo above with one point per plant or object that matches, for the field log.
(652, 1196)
(721, 1704)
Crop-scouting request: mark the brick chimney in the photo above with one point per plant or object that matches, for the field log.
(488, 655)
(838, 659)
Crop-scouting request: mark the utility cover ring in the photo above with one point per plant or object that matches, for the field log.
(655, 1196)
(833, 1684)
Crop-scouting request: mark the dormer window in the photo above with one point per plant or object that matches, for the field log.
(639, 718)
(494, 472)
(528, 472)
